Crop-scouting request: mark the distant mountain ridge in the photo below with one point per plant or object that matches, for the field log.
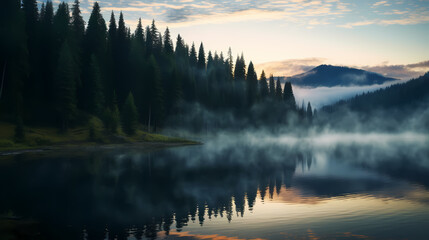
(331, 76)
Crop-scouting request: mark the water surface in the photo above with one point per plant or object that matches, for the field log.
(253, 188)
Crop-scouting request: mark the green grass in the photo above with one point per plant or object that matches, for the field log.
(37, 137)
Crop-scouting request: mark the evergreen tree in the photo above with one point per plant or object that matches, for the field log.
(279, 94)
(94, 88)
(263, 86)
(272, 87)
(309, 113)
(49, 54)
(193, 57)
(65, 98)
(14, 59)
(154, 93)
(95, 34)
(168, 44)
(239, 77)
(288, 96)
(251, 85)
(77, 24)
(111, 117)
(139, 33)
(122, 80)
(129, 116)
(111, 35)
(61, 24)
(201, 65)
(77, 32)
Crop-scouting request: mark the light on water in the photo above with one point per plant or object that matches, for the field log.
(253, 186)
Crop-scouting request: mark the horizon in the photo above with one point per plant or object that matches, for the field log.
(386, 37)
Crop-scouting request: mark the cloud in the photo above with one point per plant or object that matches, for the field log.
(289, 67)
(395, 17)
(381, 3)
(405, 71)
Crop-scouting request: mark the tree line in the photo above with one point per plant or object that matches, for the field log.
(58, 70)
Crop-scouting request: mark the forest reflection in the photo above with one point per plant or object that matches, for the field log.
(121, 193)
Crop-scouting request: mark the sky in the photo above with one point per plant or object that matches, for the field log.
(286, 37)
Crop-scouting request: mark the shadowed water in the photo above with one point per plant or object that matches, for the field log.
(324, 187)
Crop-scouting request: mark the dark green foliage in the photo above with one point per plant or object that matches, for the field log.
(91, 131)
(19, 130)
(168, 44)
(193, 57)
(129, 116)
(263, 86)
(139, 33)
(54, 70)
(77, 23)
(279, 94)
(251, 85)
(154, 93)
(111, 118)
(201, 65)
(239, 86)
(272, 87)
(65, 88)
(95, 98)
(95, 33)
(288, 96)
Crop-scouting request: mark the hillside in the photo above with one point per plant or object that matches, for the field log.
(330, 76)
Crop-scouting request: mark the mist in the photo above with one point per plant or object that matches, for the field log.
(322, 96)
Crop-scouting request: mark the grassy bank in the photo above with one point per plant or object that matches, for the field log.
(41, 137)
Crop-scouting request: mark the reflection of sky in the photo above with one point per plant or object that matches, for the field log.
(367, 32)
(292, 216)
(373, 206)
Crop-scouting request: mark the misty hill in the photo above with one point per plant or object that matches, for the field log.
(400, 104)
(409, 94)
(330, 76)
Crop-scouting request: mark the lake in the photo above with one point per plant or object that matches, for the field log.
(329, 186)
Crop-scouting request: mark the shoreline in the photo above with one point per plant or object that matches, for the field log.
(94, 146)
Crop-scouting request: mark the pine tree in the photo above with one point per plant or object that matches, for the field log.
(65, 87)
(129, 116)
(272, 87)
(251, 85)
(111, 117)
(61, 24)
(279, 94)
(49, 50)
(201, 65)
(154, 93)
(139, 32)
(309, 113)
(95, 37)
(14, 59)
(77, 24)
(94, 88)
(168, 44)
(111, 35)
(288, 96)
(263, 86)
(193, 57)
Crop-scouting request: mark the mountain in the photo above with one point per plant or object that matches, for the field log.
(330, 76)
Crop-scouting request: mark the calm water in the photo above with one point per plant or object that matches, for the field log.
(222, 190)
